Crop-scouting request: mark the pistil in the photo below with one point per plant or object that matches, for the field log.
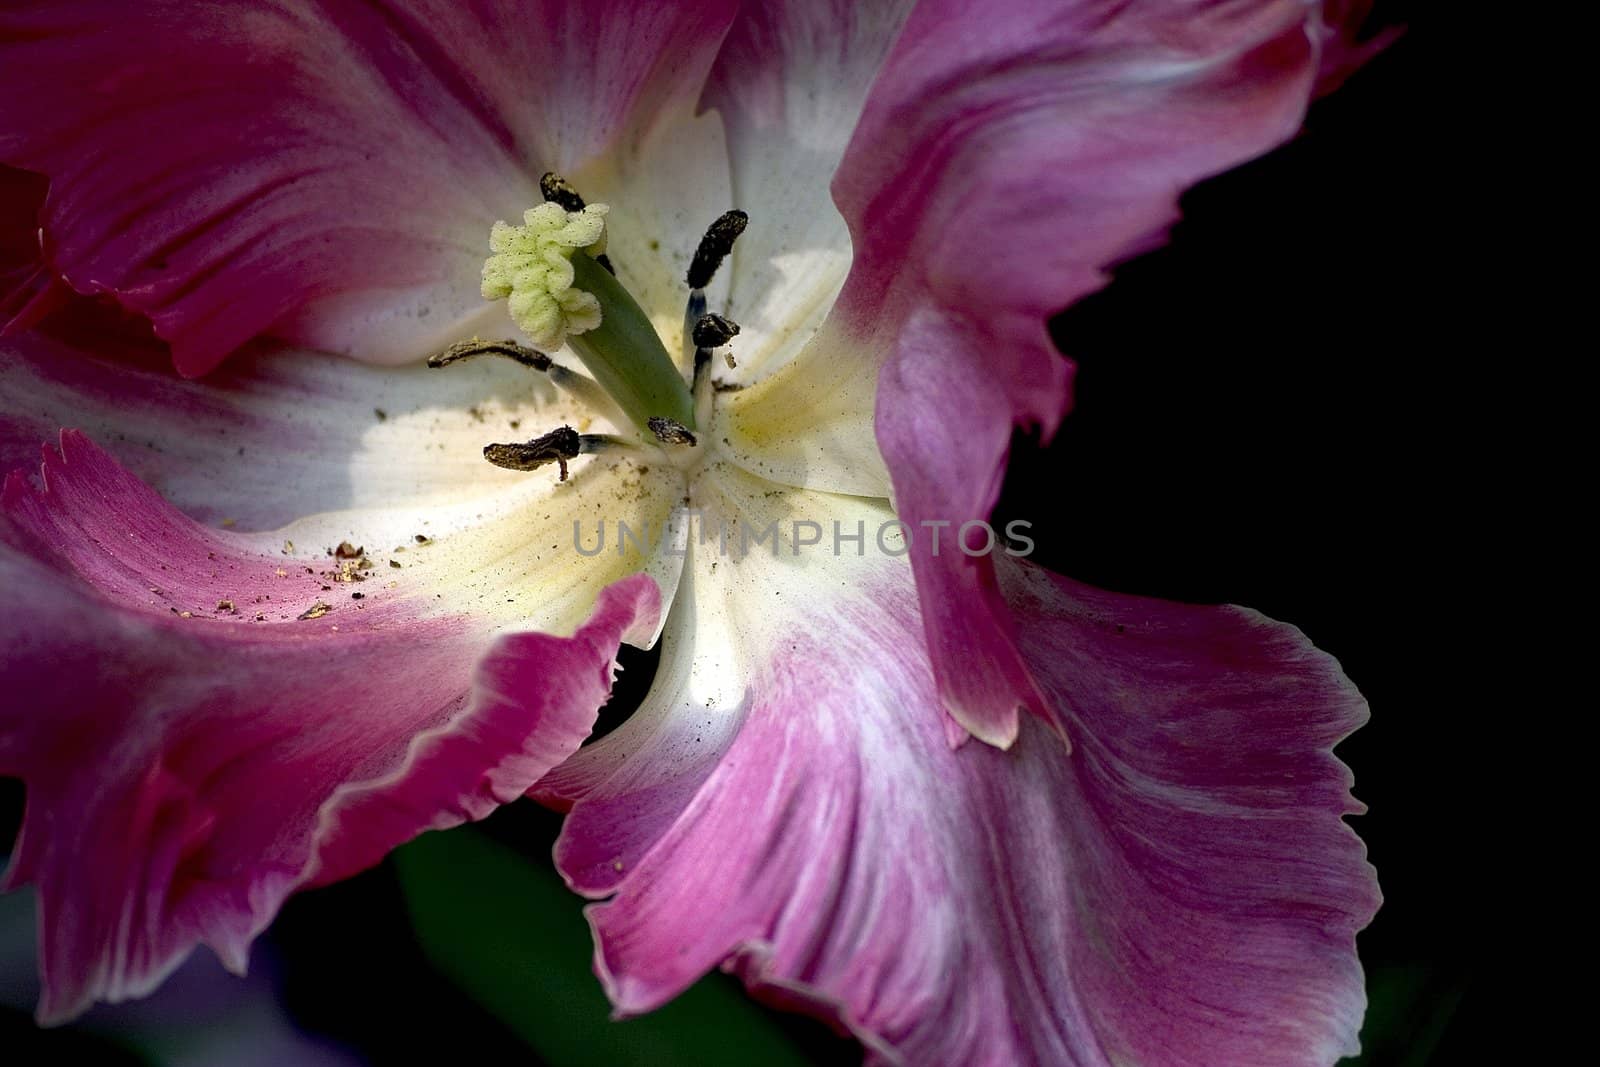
(560, 295)
(557, 190)
(563, 292)
(624, 353)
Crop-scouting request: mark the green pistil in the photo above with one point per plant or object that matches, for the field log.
(625, 355)
(552, 273)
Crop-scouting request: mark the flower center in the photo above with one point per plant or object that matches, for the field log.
(562, 291)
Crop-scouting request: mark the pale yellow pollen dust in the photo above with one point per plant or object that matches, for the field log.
(532, 265)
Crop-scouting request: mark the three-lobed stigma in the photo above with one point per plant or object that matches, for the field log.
(532, 268)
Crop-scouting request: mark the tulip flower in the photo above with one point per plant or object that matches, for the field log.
(742, 304)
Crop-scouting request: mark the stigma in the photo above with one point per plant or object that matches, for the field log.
(532, 266)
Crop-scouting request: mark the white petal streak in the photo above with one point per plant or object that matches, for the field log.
(742, 600)
(790, 84)
(663, 193)
(311, 452)
(810, 422)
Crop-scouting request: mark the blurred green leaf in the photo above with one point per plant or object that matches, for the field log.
(1409, 1009)
(508, 932)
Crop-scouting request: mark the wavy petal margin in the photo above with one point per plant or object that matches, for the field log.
(1005, 160)
(1177, 889)
(206, 765)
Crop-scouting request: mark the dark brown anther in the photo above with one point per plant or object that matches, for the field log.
(669, 431)
(715, 246)
(524, 355)
(713, 331)
(557, 446)
(557, 189)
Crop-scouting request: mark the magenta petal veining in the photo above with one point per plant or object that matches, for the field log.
(209, 763)
(1143, 861)
(1178, 889)
(994, 178)
(353, 155)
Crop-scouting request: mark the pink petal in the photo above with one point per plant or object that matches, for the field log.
(204, 767)
(28, 289)
(228, 448)
(1178, 889)
(327, 172)
(1344, 49)
(1006, 158)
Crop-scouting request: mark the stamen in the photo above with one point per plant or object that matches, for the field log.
(558, 190)
(582, 389)
(588, 393)
(593, 443)
(509, 348)
(557, 446)
(713, 331)
(670, 431)
(715, 246)
(691, 315)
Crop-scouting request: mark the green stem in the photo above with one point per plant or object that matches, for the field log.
(624, 354)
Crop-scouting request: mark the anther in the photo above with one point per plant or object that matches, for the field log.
(715, 246)
(670, 431)
(713, 331)
(710, 331)
(557, 446)
(558, 190)
(508, 348)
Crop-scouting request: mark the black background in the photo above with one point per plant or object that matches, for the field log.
(1259, 420)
